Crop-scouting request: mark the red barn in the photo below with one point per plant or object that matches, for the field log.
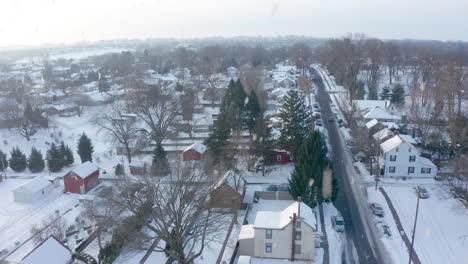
(82, 178)
(280, 156)
(194, 152)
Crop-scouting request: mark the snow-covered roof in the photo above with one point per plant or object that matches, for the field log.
(379, 113)
(85, 169)
(372, 123)
(57, 93)
(35, 185)
(50, 251)
(247, 232)
(391, 125)
(233, 180)
(426, 162)
(280, 219)
(393, 143)
(244, 260)
(408, 139)
(198, 147)
(382, 134)
(367, 105)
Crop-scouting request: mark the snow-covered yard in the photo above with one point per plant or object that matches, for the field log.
(276, 174)
(442, 230)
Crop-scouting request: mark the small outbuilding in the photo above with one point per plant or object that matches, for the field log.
(194, 152)
(82, 178)
(50, 251)
(280, 156)
(33, 190)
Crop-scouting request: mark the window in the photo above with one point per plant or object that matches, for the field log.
(409, 150)
(392, 157)
(269, 234)
(297, 249)
(391, 169)
(298, 224)
(425, 170)
(396, 150)
(298, 235)
(268, 248)
(410, 170)
(412, 158)
(278, 157)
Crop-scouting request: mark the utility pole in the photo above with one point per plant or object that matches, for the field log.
(414, 227)
(3, 167)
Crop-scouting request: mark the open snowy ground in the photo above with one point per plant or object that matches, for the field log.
(277, 174)
(442, 230)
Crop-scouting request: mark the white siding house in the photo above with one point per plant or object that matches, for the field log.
(401, 159)
(275, 235)
(33, 190)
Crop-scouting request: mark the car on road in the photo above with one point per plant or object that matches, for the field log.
(319, 122)
(377, 209)
(338, 223)
(331, 120)
(316, 114)
(423, 193)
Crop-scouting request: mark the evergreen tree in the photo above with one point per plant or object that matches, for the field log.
(398, 94)
(160, 166)
(262, 140)
(36, 161)
(85, 148)
(252, 111)
(3, 161)
(17, 160)
(28, 112)
(296, 122)
(67, 154)
(217, 141)
(55, 160)
(233, 104)
(119, 170)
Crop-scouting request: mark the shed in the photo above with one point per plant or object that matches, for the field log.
(50, 251)
(194, 152)
(280, 156)
(82, 178)
(229, 192)
(33, 190)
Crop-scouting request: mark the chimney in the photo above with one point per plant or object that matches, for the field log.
(299, 200)
(293, 240)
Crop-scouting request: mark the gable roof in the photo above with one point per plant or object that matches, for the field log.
(35, 185)
(382, 134)
(233, 180)
(198, 147)
(379, 113)
(393, 143)
(280, 219)
(85, 169)
(49, 251)
(367, 105)
(372, 123)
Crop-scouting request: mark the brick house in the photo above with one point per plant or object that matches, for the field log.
(82, 178)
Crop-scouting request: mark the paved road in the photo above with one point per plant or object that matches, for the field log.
(346, 201)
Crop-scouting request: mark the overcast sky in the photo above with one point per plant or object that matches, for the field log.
(34, 22)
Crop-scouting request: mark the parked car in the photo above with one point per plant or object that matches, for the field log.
(377, 209)
(423, 193)
(438, 178)
(331, 120)
(319, 122)
(383, 228)
(338, 223)
(316, 114)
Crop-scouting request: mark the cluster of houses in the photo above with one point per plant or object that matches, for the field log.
(397, 154)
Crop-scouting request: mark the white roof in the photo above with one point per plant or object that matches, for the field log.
(85, 169)
(233, 180)
(247, 232)
(50, 251)
(279, 219)
(391, 125)
(382, 134)
(372, 123)
(244, 260)
(426, 162)
(379, 113)
(408, 139)
(393, 143)
(367, 105)
(198, 147)
(35, 185)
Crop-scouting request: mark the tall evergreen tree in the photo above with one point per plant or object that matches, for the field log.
(233, 104)
(85, 148)
(252, 111)
(55, 160)
(296, 122)
(160, 166)
(262, 140)
(67, 154)
(217, 141)
(3, 161)
(36, 161)
(17, 160)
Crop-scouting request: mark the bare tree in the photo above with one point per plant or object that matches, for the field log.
(301, 56)
(54, 225)
(420, 114)
(374, 61)
(119, 126)
(211, 79)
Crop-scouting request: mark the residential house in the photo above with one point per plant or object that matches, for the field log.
(229, 192)
(282, 229)
(381, 110)
(62, 109)
(280, 156)
(82, 178)
(33, 190)
(402, 159)
(50, 251)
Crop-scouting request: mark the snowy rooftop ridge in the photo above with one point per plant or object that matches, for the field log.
(198, 147)
(395, 142)
(35, 185)
(49, 251)
(280, 219)
(85, 169)
(379, 113)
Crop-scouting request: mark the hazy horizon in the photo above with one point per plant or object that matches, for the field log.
(34, 23)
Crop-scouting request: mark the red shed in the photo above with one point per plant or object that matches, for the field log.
(82, 178)
(280, 156)
(194, 152)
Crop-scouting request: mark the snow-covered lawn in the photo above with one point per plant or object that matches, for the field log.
(442, 230)
(277, 174)
(16, 219)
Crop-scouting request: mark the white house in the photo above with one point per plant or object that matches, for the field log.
(49, 251)
(33, 190)
(401, 159)
(381, 110)
(276, 224)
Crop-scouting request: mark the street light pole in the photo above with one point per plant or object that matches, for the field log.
(414, 227)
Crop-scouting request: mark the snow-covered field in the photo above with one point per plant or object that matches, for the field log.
(442, 229)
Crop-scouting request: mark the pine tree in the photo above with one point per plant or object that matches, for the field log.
(262, 140)
(55, 160)
(36, 161)
(67, 154)
(3, 161)
(85, 148)
(160, 166)
(296, 122)
(233, 104)
(252, 111)
(17, 160)
(217, 141)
